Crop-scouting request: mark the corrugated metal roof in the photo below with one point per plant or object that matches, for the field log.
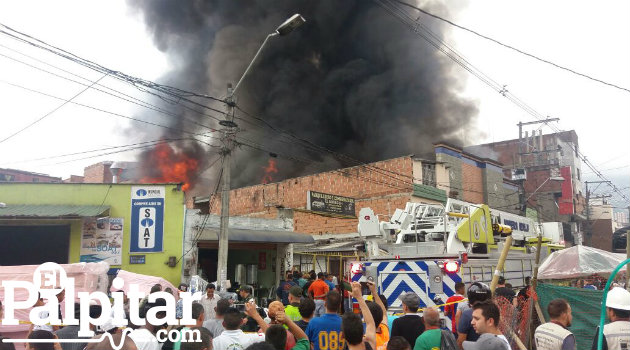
(242, 235)
(51, 210)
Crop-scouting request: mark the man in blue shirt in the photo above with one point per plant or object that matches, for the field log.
(329, 281)
(324, 331)
(283, 289)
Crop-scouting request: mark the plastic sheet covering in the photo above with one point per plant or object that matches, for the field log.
(88, 277)
(579, 261)
(144, 282)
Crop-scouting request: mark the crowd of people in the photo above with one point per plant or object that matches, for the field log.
(308, 315)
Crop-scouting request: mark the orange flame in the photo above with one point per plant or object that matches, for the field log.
(269, 169)
(167, 165)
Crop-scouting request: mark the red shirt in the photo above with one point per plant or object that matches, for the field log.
(451, 310)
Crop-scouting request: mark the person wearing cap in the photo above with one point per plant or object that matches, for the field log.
(617, 332)
(292, 310)
(477, 292)
(318, 290)
(554, 334)
(411, 324)
(485, 321)
(209, 301)
(245, 293)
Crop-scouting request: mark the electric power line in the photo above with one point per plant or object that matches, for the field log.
(98, 109)
(512, 48)
(417, 27)
(52, 111)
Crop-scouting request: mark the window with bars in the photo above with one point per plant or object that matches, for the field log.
(428, 175)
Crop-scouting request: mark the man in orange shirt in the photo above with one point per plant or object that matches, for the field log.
(318, 290)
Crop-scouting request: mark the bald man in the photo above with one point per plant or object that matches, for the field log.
(430, 338)
(275, 308)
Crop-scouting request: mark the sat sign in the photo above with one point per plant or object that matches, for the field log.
(147, 219)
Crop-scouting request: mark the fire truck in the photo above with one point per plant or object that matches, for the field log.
(427, 248)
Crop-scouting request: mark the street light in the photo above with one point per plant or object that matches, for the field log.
(553, 178)
(284, 29)
(230, 129)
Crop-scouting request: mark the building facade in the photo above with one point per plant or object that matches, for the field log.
(14, 175)
(548, 169)
(138, 228)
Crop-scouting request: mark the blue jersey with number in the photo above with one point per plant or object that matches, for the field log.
(324, 332)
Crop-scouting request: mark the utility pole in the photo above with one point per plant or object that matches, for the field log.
(521, 152)
(226, 153)
(228, 132)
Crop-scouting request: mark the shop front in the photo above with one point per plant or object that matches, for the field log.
(133, 227)
(256, 257)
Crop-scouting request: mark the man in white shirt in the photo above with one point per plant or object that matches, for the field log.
(485, 320)
(233, 338)
(209, 302)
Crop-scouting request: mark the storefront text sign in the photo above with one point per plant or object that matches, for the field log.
(330, 204)
(147, 219)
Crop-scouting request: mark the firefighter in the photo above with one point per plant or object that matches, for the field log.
(617, 332)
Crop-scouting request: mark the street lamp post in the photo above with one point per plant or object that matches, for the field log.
(228, 133)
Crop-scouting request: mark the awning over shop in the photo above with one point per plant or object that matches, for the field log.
(10, 211)
(263, 236)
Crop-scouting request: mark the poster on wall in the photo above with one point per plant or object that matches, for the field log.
(147, 219)
(101, 240)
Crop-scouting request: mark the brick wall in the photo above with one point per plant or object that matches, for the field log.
(98, 173)
(472, 183)
(384, 186)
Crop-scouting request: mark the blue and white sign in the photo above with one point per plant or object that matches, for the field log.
(147, 219)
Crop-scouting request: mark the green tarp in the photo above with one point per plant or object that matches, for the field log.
(585, 306)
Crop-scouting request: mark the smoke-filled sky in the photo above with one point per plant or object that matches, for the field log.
(351, 79)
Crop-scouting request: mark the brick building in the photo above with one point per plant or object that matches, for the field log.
(383, 186)
(537, 161)
(98, 173)
(14, 175)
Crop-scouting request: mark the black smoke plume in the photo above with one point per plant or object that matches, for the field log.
(352, 79)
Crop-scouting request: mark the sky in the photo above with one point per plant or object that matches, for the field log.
(594, 40)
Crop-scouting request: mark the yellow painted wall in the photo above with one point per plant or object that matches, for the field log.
(118, 197)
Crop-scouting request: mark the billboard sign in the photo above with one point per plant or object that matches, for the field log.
(147, 219)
